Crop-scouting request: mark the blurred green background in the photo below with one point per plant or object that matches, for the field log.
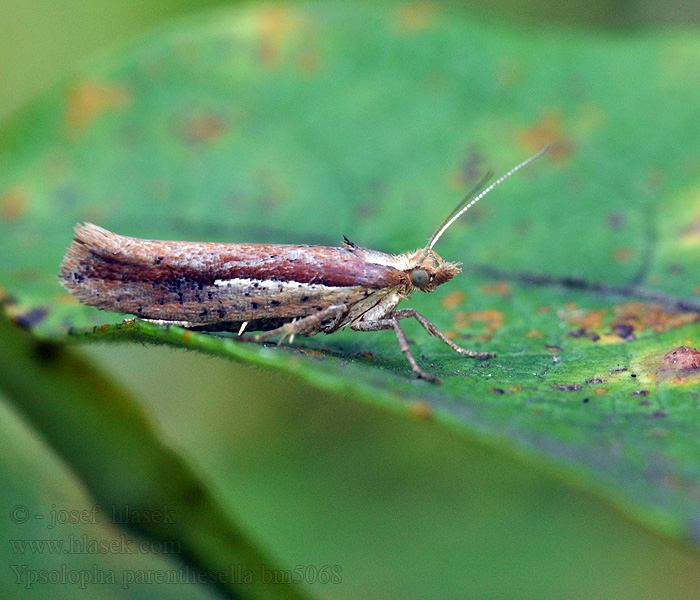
(403, 509)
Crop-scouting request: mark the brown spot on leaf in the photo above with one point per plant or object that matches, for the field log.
(416, 16)
(616, 221)
(310, 61)
(6, 299)
(312, 352)
(32, 317)
(275, 22)
(534, 334)
(600, 391)
(650, 316)
(499, 288)
(495, 390)
(584, 319)
(88, 100)
(575, 387)
(623, 255)
(493, 318)
(578, 333)
(691, 233)
(682, 359)
(13, 205)
(548, 130)
(420, 410)
(201, 128)
(470, 169)
(554, 349)
(453, 300)
(624, 330)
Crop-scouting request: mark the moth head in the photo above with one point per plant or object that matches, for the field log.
(432, 271)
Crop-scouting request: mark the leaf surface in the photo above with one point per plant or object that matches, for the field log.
(303, 124)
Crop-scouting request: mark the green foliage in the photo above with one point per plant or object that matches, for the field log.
(300, 125)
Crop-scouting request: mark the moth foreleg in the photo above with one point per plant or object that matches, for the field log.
(309, 325)
(407, 313)
(392, 322)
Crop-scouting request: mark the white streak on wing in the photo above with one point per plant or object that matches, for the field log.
(275, 287)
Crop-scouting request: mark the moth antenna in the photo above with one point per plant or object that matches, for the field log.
(471, 199)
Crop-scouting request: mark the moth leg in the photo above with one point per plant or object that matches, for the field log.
(407, 313)
(305, 326)
(392, 322)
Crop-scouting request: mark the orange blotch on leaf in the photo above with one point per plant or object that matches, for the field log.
(453, 300)
(274, 24)
(309, 61)
(548, 130)
(493, 318)
(585, 319)
(416, 16)
(202, 128)
(88, 100)
(623, 255)
(499, 288)
(13, 205)
(420, 410)
(642, 316)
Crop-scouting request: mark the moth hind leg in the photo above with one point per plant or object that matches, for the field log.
(407, 313)
(309, 325)
(392, 321)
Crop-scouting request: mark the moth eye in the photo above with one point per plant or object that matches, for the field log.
(420, 278)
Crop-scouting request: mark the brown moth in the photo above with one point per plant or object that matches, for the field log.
(281, 290)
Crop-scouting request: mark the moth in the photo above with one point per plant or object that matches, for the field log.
(279, 290)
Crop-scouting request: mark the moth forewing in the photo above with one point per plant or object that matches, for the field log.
(281, 290)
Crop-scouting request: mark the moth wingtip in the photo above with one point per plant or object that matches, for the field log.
(88, 239)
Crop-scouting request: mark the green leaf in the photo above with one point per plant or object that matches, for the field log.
(58, 539)
(137, 481)
(300, 124)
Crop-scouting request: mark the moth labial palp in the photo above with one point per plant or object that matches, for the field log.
(279, 290)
